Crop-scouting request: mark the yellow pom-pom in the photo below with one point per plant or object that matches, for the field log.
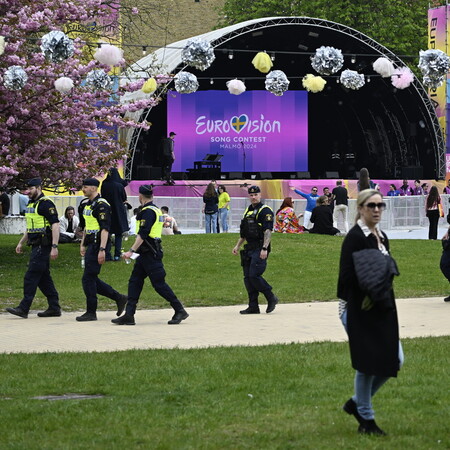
(313, 84)
(149, 86)
(262, 62)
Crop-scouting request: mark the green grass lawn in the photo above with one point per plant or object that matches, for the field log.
(203, 272)
(273, 397)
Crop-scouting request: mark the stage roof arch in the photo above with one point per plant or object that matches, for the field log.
(384, 129)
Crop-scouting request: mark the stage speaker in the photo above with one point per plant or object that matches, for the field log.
(265, 175)
(331, 174)
(148, 173)
(235, 175)
(412, 172)
(303, 175)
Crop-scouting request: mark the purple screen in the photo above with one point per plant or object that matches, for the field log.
(272, 130)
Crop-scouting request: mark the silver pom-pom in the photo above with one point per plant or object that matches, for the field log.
(352, 80)
(277, 82)
(186, 83)
(434, 65)
(198, 53)
(327, 60)
(98, 79)
(15, 78)
(57, 46)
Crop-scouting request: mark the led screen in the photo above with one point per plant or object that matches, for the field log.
(270, 132)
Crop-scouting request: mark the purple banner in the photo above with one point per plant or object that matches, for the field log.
(270, 132)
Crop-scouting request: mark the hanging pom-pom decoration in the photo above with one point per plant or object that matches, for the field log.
(277, 82)
(352, 79)
(15, 78)
(262, 62)
(149, 86)
(236, 87)
(434, 65)
(63, 85)
(402, 78)
(2, 45)
(198, 53)
(327, 60)
(313, 84)
(186, 83)
(56, 46)
(98, 79)
(109, 54)
(384, 67)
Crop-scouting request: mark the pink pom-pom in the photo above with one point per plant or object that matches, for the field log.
(63, 85)
(109, 54)
(235, 87)
(402, 78)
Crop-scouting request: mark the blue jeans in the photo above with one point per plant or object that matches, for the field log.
(211, 223)
(366, 386)
(224, 219)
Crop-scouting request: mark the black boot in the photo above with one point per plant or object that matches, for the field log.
(121, 303)
(351, 409)
(370, 427)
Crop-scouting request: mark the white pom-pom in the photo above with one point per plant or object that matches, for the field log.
(109, 54)
(236, 87)
(63, 85)
(384, 67)
(2, 45)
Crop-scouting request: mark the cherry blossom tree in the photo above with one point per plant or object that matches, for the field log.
(44, 132)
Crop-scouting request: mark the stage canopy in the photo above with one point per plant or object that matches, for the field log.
(394, 133)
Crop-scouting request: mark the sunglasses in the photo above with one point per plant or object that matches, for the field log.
(314, 190)
(381, 206)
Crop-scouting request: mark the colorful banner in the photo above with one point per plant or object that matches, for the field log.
(270, 132)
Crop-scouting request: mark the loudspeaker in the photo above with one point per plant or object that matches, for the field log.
(412, 172)
(331, 174)
(148, 173)
(234, 175)
(265, 175)
(304, 175)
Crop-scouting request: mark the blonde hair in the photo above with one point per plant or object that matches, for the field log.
(322, 200)
(363, 196)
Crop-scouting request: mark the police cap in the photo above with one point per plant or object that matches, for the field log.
(146, 189)
(34, 182)
(254, 190)
(91, 182)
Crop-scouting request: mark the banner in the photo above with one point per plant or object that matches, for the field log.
(270, 132)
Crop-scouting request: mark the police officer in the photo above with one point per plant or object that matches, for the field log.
(42, 235)
(256, 229)
(97, 220)
(149, 223)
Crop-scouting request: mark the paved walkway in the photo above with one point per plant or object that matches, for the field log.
(206, 327)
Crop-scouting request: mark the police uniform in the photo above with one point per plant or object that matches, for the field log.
(149, 224)
(255, 221)
(97, 217)
(40, 215)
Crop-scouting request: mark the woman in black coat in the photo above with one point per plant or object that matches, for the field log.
(322, 218)
(372, 326)
(113, 191)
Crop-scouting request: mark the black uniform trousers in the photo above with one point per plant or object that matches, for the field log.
(253, 267)
(92, 285)
(445, 264)
(38, 276)
(147, 265)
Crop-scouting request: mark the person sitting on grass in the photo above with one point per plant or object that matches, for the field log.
(286, 220)
(322, 218)
(170, 224)
(68, 225)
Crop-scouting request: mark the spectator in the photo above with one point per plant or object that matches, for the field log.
(132, 230)
(210, 209)
(23, 202)
(405, 189)
(322, 218)
(311, 200)
(417, 188)
(224, 207)
(68, 225)
(425, 188)
(340, 195)
(364, 181)
(445, 259)
(113, 191)
(327, 193)
(393, 191)
(286, 220)
(169, 224)
(433, 207)
(447, 188)
(5, 203)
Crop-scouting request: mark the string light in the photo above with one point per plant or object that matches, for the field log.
(353, 60)
(230, 55)
(272, 56)
(144, 50)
